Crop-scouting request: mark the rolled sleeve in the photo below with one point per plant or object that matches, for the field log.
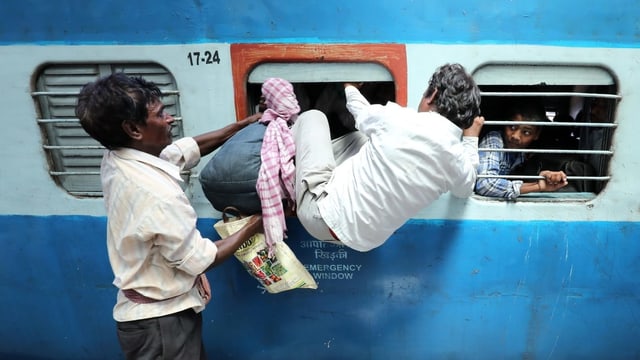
(356, 103)
(180, 243)
(183, 153)
(470, 144)
(200, 256)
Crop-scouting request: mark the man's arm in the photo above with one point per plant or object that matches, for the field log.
(490, 164)
(469, 160)
(475, 128)
(470, 142)
(211, 140)
(465, 168)
(553, 181)
(227, 246)
(356, 102)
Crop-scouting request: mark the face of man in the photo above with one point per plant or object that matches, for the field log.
(155, 134)
(520, 136)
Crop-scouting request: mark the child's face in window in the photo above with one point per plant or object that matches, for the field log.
(520, 136)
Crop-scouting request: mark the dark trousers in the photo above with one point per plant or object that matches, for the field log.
(176, 336)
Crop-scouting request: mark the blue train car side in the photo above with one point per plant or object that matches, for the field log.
(543, 277)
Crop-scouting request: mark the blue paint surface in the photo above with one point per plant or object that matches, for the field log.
(436, 289)
(615, 23)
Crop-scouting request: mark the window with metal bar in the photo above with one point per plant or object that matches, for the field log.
(73, 156)
(578, 129)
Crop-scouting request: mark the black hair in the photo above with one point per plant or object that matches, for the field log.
(457, 97)
(105, 104)
(530, 109)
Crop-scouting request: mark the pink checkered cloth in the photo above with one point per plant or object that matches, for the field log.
(277, 172)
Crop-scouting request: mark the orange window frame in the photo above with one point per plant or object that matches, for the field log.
(245, 57)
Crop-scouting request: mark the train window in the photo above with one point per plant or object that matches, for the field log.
(318, 72)
(74, 157)
(320, 86)
(579, 103)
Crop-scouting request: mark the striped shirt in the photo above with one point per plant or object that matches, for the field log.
(497, 163)
(153, 244)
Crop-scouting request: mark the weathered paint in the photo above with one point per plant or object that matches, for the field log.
(437, 289)
(566, 23)
(464, 279)
(244, 57)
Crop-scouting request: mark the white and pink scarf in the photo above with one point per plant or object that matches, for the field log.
(277, 173)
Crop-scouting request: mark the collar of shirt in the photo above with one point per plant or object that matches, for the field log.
(141, 156)
(436, 118)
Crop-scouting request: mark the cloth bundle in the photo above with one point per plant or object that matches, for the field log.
(254, 170)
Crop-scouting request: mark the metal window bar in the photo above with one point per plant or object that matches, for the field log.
(552, 124)
(77, 121)
(537, 177)
(86, 193)
(72, 153)
(73, 173)
(75, 93)
(550, 93)
(177, 119)
(551, 151)
(546, 151)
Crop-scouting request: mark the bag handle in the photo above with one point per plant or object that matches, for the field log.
(230, 210)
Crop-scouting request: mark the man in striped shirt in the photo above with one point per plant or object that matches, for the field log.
(157, 254)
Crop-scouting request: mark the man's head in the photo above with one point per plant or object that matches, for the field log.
(122, 111)
(521, 136)
(453, 94)
(280, 99)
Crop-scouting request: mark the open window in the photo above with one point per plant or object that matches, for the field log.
(317, 73)
(320, 86)
(576, 136)
(73, 156)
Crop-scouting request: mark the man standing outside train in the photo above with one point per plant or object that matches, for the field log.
(157, 254)
(361, 187)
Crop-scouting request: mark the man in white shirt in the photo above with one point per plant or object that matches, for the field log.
(157, 254)
(361, 187)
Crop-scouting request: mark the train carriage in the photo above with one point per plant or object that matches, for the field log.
(549, 275)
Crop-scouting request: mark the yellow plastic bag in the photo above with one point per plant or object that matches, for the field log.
(279, 273)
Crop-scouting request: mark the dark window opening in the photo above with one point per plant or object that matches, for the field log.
(329, 98)
(576, 137)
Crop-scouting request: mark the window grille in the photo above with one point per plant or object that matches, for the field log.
(568, 94)
(319, 85)
(73, 156)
